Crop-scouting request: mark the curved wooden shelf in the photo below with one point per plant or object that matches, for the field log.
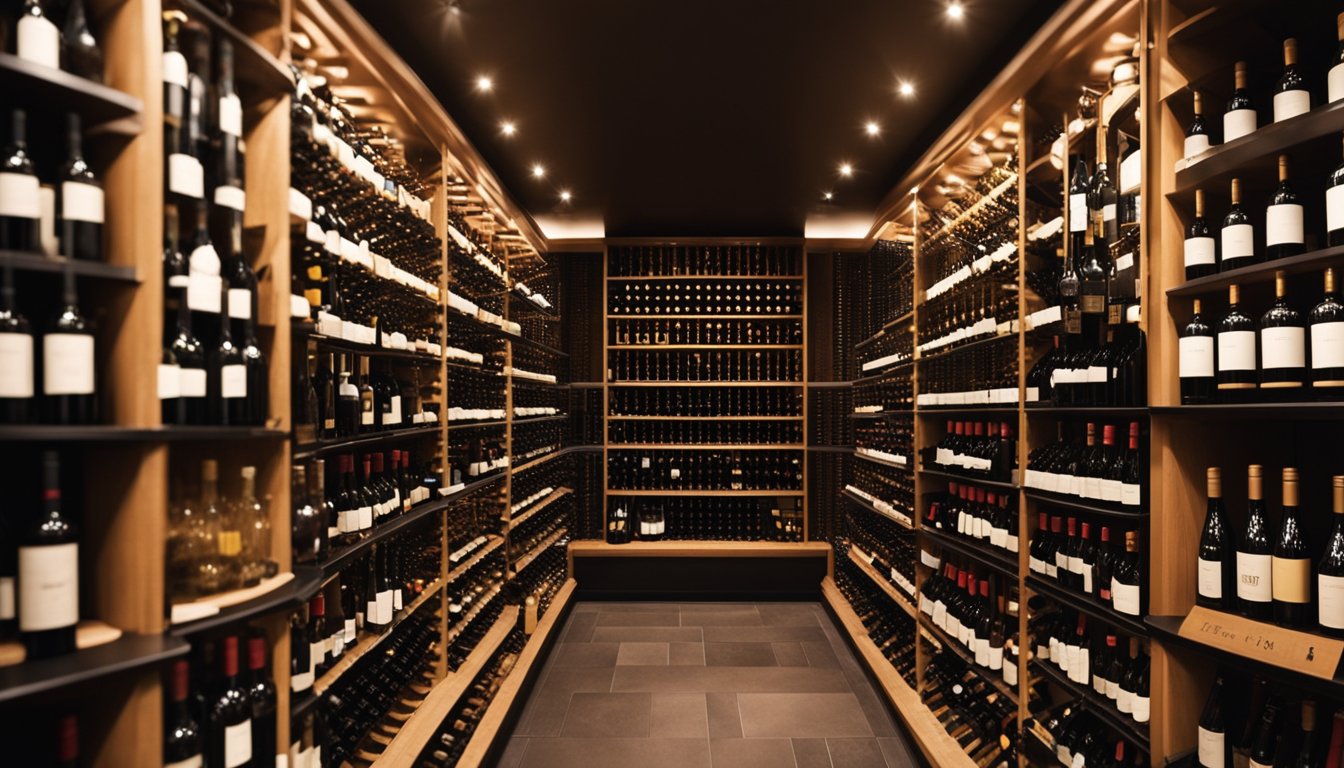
(956, 478)
(898, 597)
(1312, 261)
(283, 591)
(125, 653)
(1004, 564)
(1258, 152)
(338, 560)
(305, 332)
(480, 554)
(94, 270)
(868, 505)
(1087, 506)
(364, 442)
(257, 71)
(517, 566)
(368, 642)
(1093, 608)
(550, 499)
(994, 678)
(103, 108)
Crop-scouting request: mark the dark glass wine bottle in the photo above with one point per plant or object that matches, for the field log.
(1291, 563)
(1237, 235)
(1216, 561)
(80, 52)
(229, 733)
(1240, 118)
(1213, 747)
(1334, 199)
(1201, 251)
(261, 694)
(81, 200)
(16, 357)
(1078, 226)
(1283, 352)
(1254, 553)
(182, 734)
(1283, 219)
(1197, 135)
(1265, 745)
(20, 196)
(228, 378)
(1330, 568)
(1093, 275)
(48, 578)
(1291, 97)
(1236, 350)
(1195, 350)
(37, 38)
(1310, 752)
(1327, 341)
(68, 377)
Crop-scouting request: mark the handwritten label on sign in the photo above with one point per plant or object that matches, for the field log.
(1299, 651)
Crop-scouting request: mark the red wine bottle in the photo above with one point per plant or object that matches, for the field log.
(49, 573)
(182, 735)
(229, 734)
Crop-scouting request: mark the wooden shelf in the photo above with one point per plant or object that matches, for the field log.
(703, 418)
(369, 641)
(700, 494)
(89, 633)
(793, 384)
(255, 68)
(23, 82)
(129, 651)
(995, 679)
(473, 486)
(461, 569)
(281, 591)
(1095, 609)
(704, 447)
(23, 261)
(550, 499)
(452, 425)
(1128, 412)
(868, 505)
(887, 326)
(909, 466)
(1004, 564)
(421, 726)
(339, 559)
(954, 349)
(885, 373)
(938, 746)
(592, 548)
(364, 442)
(540, 419)
(304, 332)
(660, 278)
(1123, 725)
(898, 597)
(1260, 149)
(956, 478)
(517, 566)
(966, 410)
(106, 433)
(830, 449)
(658, 347)
(1087, 506)
(690, 316)
(547, 348)
(1328, 410)
(1312, 261)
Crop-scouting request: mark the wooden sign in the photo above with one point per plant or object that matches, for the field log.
(1266, 643)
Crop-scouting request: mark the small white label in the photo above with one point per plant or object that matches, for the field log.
(1200, 250)
(349, 631)
(1077, 213)
(186, 177)
(231, 115)
(1283, 347)
(170, 381)
(365, 518)
(1210, 579)
(1212, 753)
(1336, 83)
(1327, 345)
(240, 303)
(81, 202)
(1238, 123)
(48, 587)
(238, 744)
(1125, 262)
(1330, 590)
(1010, 672)
(1236, 351)
(1283, 224)
(385, 607)
(1131, 494)
(20, 196)
(203, 291)
(67, 364)
(175, 68)
(1125, 597)
(16, 365)
(190, 762)
(233, 381)
(1291, 104)
(1108, 212)
(230, 197)
(39, 41)
(1253, 577)
(1197, 144)
(1238, 241)
(193, 382)
(1334, 205)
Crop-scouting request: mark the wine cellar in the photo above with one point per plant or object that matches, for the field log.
(331, 446)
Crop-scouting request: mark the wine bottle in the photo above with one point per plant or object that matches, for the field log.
(1283, 354)
(189, 358)
(49, 573)
(80, 53)
(1126, 592)
(229, 734)
(68, 362)
(1265, 745)
(1102, 201)
(1239, 119)
(1201, 256)
(1291, 563)
(37, 38)
(20, 192)
(1093, 275)
(261, 694)
(1334, 203)
(16, 357)
(228, 384)
(1291, 97)
(1283, 219)
(1078, 225)
(1335, 77)
(1310, 753)
(1213, 747)
(1254, 553)
(1330, 568)
(81, 199)
(1196, 368)
(1236, 349)
(182, 735)
(257, 375)
(1216, 563)
(1238, 235)
(228, 195)
(1327, 341)
(1197, 135)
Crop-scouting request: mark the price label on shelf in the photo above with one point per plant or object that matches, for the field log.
(1266, 643)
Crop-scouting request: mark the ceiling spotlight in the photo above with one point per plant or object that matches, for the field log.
(955, 11)
(846, 170)
(485, 84)
(872, 128)
(906, 88)
(508, 128)
(538, 170)
(565, 196)
(828, 196)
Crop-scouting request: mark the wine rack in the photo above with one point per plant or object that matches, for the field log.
(705, 383)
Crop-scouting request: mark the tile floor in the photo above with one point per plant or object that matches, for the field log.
(704, 685)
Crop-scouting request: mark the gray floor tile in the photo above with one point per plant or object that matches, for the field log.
(686, 654)
(811, 753)
(613, 606)
(730, 679)
(608, 715)
(642, 655)
(544, 714)
(724, 720)
(788, 615)
(790, 654)
(679, 716)
(763, 634)
(737, 617)
(751, 753)
(856, 753)
(716, 606)
(820, 654)
(874, 706)
(513, 753)
(824, 715)
(586, 655)
(618, 753)
(660, 618)
(898, 752)
(669, 634)
(579, 629)
(740, 655)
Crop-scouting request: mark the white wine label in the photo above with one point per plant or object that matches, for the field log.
(1334, 205)
(7, 609)
(1083, 669)
(231, 115)
(1327, 344)
(16, 365)
(317, 654)
(1238, 241)
(67, 364)
(190, 762)
(385, 607)
(1289, 104)
(1131, 173)
(81, 202)
(1077, 213)
(1011, 542)
(1108, 212)
(349, 631)
(347, 521)
(1125, 598)
(397, 596)
(1087, 578)
(1253, 577)
(240, 303)
(1010, 672)
(365, 518)
(1283, 347)
(1196, 144)
(995, 657)
(1126, 262)
(193, 382)
(1112, 690)
(1335, 90)
(1099, 684)
(170, 381)
(1236, 351)
(232, 381)
(39, 41)
(48, 580)
(1200, 250)
(1210, 579)
(1238, 123)
(186, 177)
(203, 292)
(1330, 592)
(1291, 579)
(366, 418)
(238, 744)
(20, 196)
(175, 68)
(230, 197)
(1212, 753)
(1131, 494)
(1142, 708)
(1283, 224)
(1125, 701)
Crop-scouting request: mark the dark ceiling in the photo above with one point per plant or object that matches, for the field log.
(703, 117)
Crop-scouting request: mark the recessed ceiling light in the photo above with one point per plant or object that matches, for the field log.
(538, 170)
(906, 88)
(565, 196)
(872, 128)
(846, 170)
(485, 84)
(955, 11)
(508, 128)
(828, 196)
